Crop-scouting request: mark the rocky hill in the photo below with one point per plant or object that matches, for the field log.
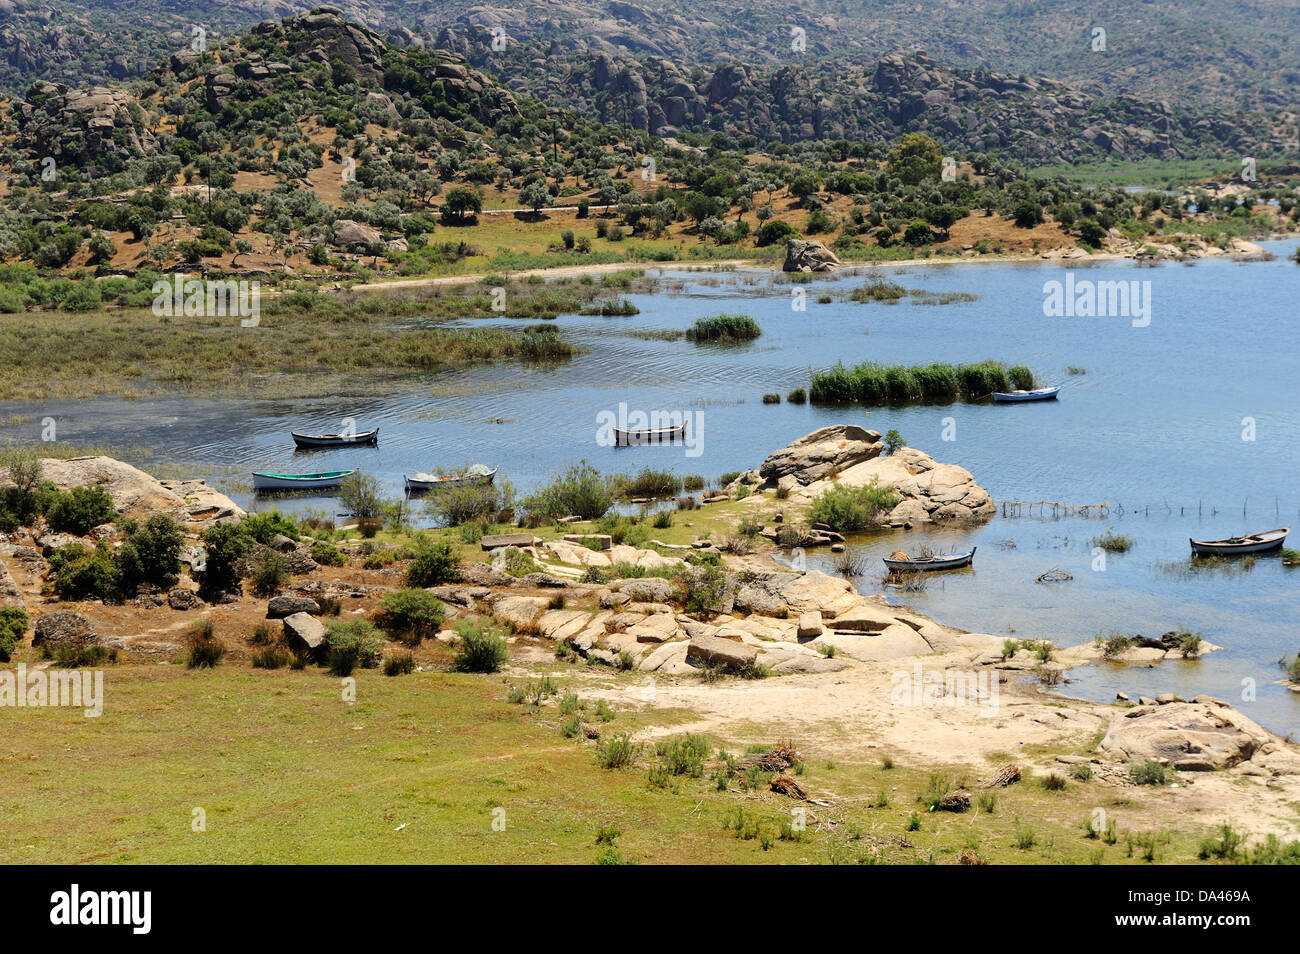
(1020, 79)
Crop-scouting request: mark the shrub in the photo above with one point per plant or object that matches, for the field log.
(774, 232)
(771, 399)
(271, 657)
(410, 615)
(13, 626)
(844, 508)
(797, 396)
(482, 647)
(270, 572)
(663, 520)
(647, 482)
(434, 563)
(578, 491)
(204, 650)
(1147, 773)
(399, 665)
(75, 511)
(893, 443)
(617, 752)
(350, 644)
(264, 527)
(326, 554)
(456, 506)
(223, 546)
(701, 588)
(151, 553)
(81, 572)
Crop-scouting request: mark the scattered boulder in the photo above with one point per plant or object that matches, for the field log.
(304, 633)
(64, 628)
(808, 255)
(281, 606)
(810, 624)
(182, 598)
(721, 652)
(658, 628)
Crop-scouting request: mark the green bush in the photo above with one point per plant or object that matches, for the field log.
(13, 626)
(482, 647)
(151, 553)
(845, 509)
(204, 650)
(80, 572)
(469, 503)
(326, 554)
(263, 527)
(775, 231)
(434, 563)
(579, 490)
(77, 510)
(270, 572)
(399, 665)
(223, 545)
(351, 643)
(410, 615)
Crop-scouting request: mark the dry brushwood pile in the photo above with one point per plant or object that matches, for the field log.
(1003, 777)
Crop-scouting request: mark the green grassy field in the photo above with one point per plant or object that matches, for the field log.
(286, 771)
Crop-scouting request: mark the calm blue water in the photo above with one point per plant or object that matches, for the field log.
(1154, 426)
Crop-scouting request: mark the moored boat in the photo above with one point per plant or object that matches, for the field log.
(942, 561)
(1019, 396)
(478, 474)
(1232, 546)
(335, 440)
(649, 435)
(320, 481)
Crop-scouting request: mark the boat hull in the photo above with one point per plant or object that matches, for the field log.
(1020, 397)
(954, 561)
(640, 438)
(1255, 543)
(420, 483)
(324, 481)
(335, 440)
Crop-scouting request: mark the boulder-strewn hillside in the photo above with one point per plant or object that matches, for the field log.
(994, 66)
(1029, 119)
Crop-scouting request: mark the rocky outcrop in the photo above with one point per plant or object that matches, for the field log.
(352, 234)
(1201, 735)
(822, 454)
(803, 255)
(63, 628)
(849, 456)
(137, 494)
(86, 127)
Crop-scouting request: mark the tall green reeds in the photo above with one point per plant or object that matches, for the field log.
(873, 383)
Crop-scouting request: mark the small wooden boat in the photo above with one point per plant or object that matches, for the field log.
(1255, 543)
(329, 478)
(649, 435)
(335, 440)
(478, 474)
(1016, 397)
(943, 561)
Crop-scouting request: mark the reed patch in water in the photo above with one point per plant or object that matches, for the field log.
(875, 384)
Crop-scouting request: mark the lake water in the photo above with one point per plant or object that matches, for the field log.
(1188, 426)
